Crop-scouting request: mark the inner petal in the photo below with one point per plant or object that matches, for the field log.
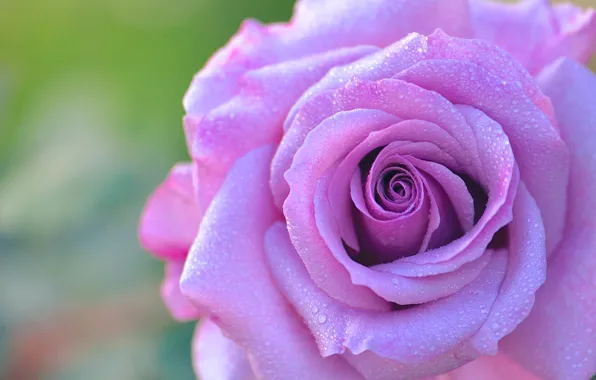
(395, 189)
(391, 208)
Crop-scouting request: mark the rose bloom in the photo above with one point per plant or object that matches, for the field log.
(389, 189)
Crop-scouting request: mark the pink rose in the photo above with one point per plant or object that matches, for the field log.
(389, 189)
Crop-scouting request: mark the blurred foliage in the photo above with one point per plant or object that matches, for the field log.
(90, 122)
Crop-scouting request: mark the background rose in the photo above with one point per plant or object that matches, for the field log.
(488, 121)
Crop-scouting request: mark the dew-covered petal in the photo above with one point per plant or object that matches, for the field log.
(498, 367)
(253, 117)
(372, 366)
(404, 100)
(171, 218)
(540, 152)
(550, 31)
(215, 357)
(345, 189)
(317, 27)
(500, 179)
(430, 330)
(526, 271)
(178, 305)
(308, 166)
(454, 188)
(401, 290)
(226, 273)
(565, 305)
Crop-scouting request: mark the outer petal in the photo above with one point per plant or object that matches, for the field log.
(498, 367)
(548, 31)
(170, 220)
(430, 332)
(253, 117)
(319, 26)
(557, 340)
(216, 357)
(179, 306)
(226, 274)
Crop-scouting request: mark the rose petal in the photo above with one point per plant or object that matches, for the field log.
(540, 153)
(398, 289)
(308, 166)
(526, 271)
(254, 115)
(216, 357)
(499, 176)
(557, 339)
(318, 27)
(549, 31)
(386, 63)
(499, 367)
(432, 329)
(228, 276)
(372, 366)
(170, 219)
(387, 239)
(402, 133)
(178, 305)
(454, 188)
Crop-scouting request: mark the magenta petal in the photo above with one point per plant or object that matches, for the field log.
(557, 340)
(433, 329)
(178, 305)
(550, 31)
(171, 218)
(229, 277)
(216, 357)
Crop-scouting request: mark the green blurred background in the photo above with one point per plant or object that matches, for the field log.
(90, 122)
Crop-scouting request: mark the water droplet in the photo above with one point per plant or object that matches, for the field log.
(322, 318)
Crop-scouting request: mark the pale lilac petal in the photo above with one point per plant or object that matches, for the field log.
(549, 31)
(557, 340)
(178, 305)
(228, 276)
(216, 357)
(498, 367)
(433, 329)
(171, 218)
